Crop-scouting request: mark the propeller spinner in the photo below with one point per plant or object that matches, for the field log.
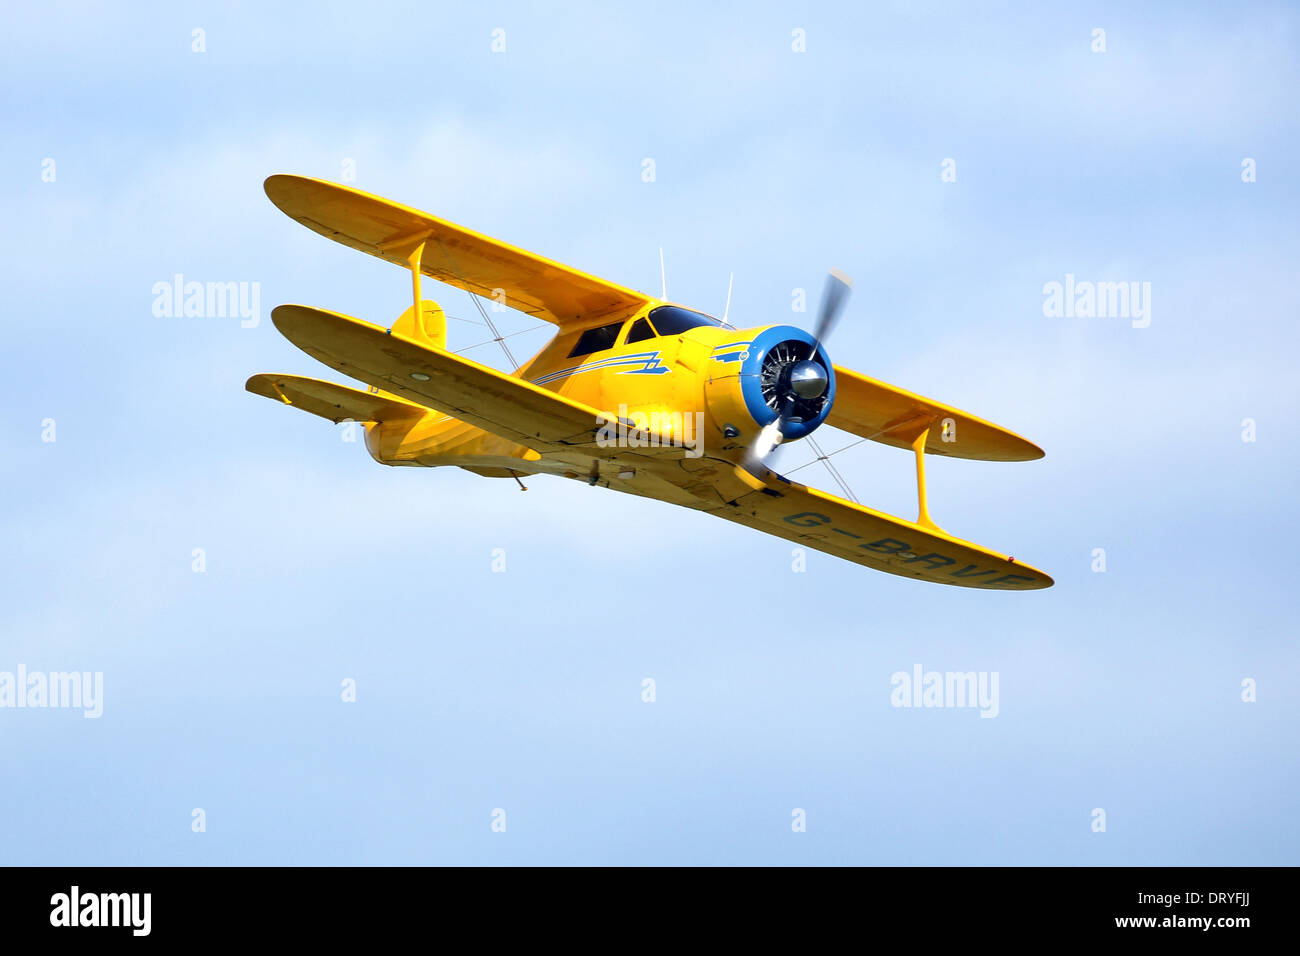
(792, 380)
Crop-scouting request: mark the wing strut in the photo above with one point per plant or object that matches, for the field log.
(411, 248)
(414, 260)
(923, 516)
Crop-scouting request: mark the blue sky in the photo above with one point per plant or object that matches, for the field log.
(522, 690)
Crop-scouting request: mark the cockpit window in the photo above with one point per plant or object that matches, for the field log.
(667, 319)
(641, 331)
(596, 340)
(671, 320)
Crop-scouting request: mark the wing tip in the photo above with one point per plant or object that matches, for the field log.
(290, 316)
(1041, 579)
(1032, 451)
(286, 191)
(267, 385)
(277, 185)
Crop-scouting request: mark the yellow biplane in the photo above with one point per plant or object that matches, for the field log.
(633, 393)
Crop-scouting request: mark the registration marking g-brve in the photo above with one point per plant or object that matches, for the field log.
(892, 546)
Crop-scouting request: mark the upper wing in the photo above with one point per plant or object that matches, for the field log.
(338, 403)
(433, 377)
(452, 254)
(883, 413)
(871, 538)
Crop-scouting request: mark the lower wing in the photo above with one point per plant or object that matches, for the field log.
(872, 538)
(438, 379)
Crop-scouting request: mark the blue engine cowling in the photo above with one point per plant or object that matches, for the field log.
(747, 396)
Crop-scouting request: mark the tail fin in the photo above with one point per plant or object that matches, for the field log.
(429, 329)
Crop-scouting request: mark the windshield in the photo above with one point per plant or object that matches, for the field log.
(672, 320)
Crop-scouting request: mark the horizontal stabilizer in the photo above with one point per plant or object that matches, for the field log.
(881, 412)
(338, 403)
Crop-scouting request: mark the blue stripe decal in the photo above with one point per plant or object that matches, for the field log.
(731, 351)
(648, 363)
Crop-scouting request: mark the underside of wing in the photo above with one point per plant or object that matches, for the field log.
(872, 538)
(338, 403)
(879, 411)
(463, 389)
(452, 254)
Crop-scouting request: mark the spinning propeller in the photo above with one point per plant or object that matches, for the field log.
(790, 378)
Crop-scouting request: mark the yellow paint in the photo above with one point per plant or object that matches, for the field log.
(553, 415)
